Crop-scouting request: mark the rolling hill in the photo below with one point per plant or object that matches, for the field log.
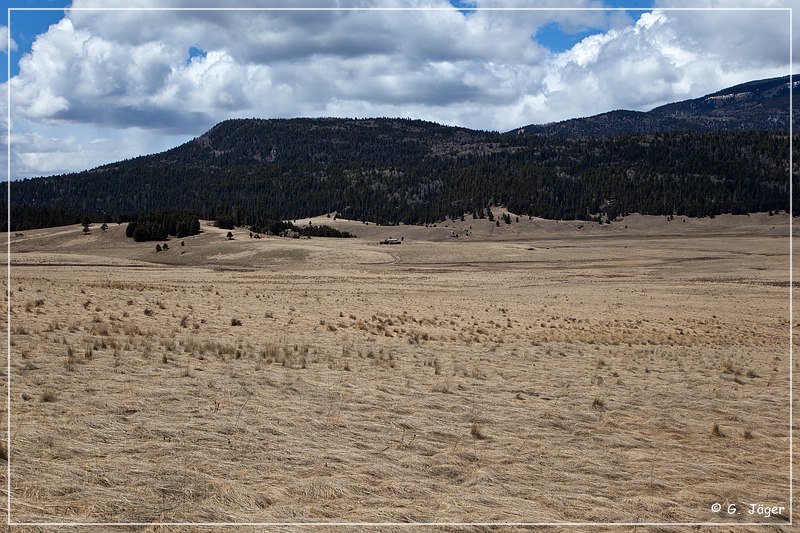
(413, 171)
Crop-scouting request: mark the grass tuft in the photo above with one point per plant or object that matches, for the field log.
(69, 364)
(477, 432)
(48, 396)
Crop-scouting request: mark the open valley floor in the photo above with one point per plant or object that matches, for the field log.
(536, 373)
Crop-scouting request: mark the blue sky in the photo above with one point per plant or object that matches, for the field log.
(103, 85)
(558, 39)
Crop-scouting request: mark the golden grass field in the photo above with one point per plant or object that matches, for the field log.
(538, 372)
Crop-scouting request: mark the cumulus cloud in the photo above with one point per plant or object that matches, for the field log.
(671, 55)
(130, 72)
(298, 61)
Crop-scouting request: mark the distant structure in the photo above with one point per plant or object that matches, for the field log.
(390, 241)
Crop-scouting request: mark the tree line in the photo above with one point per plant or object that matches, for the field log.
(160, 225)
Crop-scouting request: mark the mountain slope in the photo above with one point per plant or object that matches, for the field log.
(761, 105)
(412, 171)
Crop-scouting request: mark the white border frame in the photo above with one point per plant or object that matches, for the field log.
(10, 523)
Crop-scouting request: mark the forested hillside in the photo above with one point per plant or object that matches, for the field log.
(397, 170)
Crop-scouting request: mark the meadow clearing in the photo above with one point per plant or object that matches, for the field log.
(535, 372)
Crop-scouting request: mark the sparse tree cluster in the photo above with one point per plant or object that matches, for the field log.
(277, 227)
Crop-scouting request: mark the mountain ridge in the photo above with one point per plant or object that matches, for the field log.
(759, 105)
(392, 170)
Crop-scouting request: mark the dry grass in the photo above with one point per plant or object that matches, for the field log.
(546, 380)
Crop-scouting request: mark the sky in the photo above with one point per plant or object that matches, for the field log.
(89, 86)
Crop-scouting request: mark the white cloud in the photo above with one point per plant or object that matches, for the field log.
(39, 150)
(130, 68)
(128, 73)
(5, 41)
(671, 55)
